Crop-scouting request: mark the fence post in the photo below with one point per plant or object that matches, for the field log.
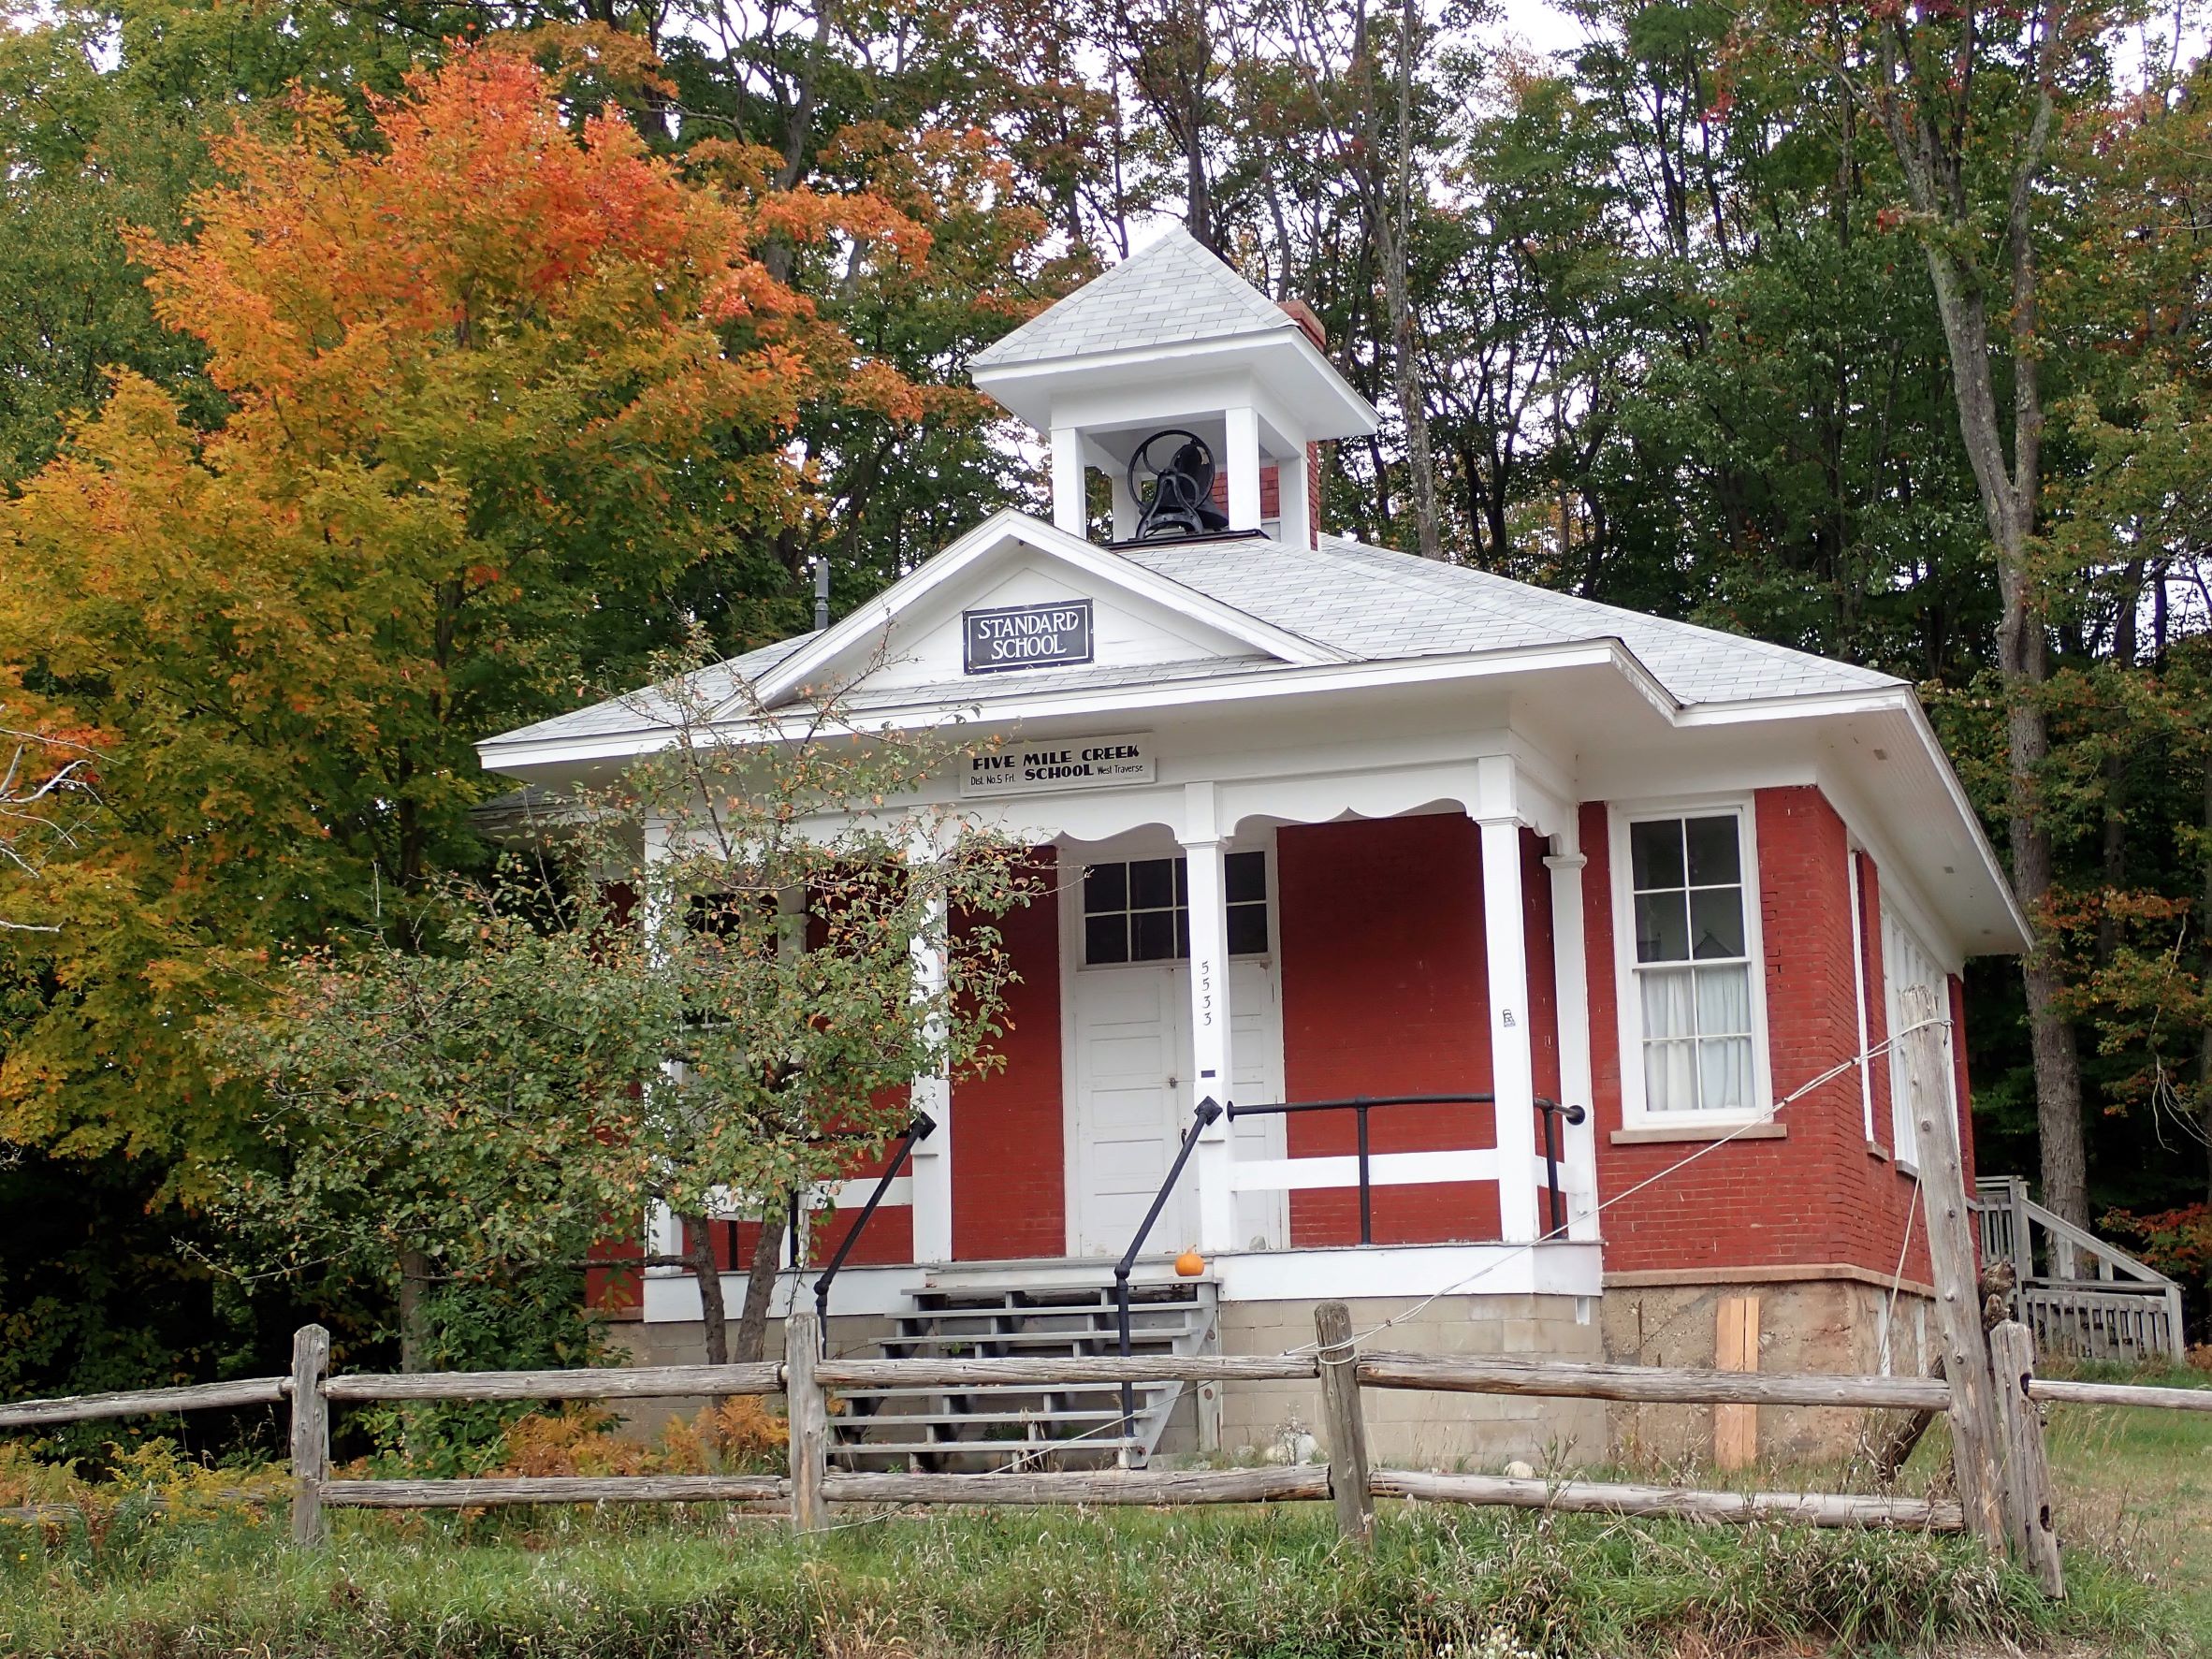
(806, 1411)
(310, 1432)
(1347, 1423)
(1951, 1261)
(2027, 1471)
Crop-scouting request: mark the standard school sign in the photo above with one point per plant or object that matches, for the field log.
(1064, 763)
(1027, 636)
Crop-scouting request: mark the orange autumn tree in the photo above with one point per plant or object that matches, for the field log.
(497, 378)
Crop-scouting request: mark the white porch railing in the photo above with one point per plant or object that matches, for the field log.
(1563, 1174)
(2080, 1294)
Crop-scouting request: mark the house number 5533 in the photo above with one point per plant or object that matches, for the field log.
(1205, 998)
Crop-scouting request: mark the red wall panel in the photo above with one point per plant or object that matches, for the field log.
(1009, 1129)
(1385, 993)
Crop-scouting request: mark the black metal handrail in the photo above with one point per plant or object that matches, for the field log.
(1553, 1112)
(1204, 1112)
(1363, 1104)
(920, 1127)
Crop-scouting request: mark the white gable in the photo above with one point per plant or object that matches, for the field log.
(927, 645)
(1140, 621)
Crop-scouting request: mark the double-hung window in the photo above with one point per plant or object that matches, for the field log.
(1694, 999)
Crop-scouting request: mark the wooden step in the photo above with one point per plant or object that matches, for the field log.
(915, 1419)
(1007, 1449)
(1000, 1391)
(1087, 1339)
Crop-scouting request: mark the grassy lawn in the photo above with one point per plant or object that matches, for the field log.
(2136, 1490)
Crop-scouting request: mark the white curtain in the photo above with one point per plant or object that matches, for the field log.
(1697, 1051)
(1670, 1052)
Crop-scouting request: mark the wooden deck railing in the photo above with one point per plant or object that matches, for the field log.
(2078, 1293)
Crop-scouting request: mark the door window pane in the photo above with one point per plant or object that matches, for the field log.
(1140, 911)
(1152, 883)
(1106, 939)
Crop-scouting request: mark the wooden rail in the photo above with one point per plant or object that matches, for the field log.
(80, 1408)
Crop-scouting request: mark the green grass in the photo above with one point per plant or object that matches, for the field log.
(1150, 1585)
(2135, 1490)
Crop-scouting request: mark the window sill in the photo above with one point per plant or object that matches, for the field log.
(1700, 1131)
(1876, 1150)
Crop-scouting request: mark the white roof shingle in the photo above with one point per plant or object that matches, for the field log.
(1170, 293)
(1378, 605)
(1373, 604)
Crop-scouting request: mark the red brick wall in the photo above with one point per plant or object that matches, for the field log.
(1815, 1196)
(1008, 1131)
(1385, 993)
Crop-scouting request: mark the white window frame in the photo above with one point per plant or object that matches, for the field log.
(1899, 921)
(1635, 1114)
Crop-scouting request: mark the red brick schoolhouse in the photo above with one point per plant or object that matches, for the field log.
(1575, 897)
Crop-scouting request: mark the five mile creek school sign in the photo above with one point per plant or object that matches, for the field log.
(1027, 636)
(1059, 764)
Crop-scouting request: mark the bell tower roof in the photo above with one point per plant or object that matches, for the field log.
(1166, 320)
(1167, 294)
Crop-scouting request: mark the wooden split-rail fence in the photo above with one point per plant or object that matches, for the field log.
(809, 1486)
(1989, 1393)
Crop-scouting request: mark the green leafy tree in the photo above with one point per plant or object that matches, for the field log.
(697, 990)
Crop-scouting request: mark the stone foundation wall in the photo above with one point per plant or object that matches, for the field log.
(1418, 1430)
(1813, 1324)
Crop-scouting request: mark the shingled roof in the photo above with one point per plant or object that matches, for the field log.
(1169, 293)
(1373, 604)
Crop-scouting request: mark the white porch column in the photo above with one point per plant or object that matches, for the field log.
(1071, 510)
(1125, 509)
(1210, 1055)
(1243, 465)
(1298, 509)
(1506, 948)
(932, 1092)
(1571, 998)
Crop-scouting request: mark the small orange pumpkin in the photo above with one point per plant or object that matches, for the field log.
(1190, 1264)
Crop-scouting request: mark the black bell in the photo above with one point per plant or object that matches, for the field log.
(1175, 497)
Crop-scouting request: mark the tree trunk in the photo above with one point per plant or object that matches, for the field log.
(714, 1326)
(1931, 152)
(760, 1290)
(2204, 1036)
(415, 1318)
(1386, 203)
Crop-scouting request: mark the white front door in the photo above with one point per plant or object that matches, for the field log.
(1132, 1064)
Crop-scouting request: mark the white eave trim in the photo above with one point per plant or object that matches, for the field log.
(1361, 415)
(1897, 700)
(785, 681)
(1251, 685)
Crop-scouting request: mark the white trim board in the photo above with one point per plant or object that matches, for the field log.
(1398, 1271)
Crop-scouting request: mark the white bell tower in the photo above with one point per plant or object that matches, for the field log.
(1171, 340)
